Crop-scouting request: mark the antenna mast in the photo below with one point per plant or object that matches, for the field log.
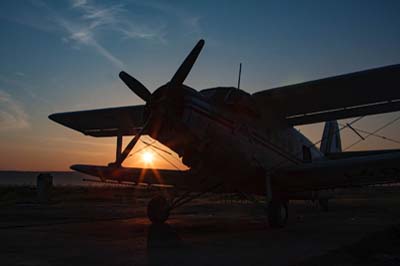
(240, 74)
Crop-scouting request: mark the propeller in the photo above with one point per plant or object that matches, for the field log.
(183, 71)
(175, 85)
(138, 88)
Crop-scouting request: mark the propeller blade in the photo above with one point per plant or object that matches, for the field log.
(186, 66)
(138, 88)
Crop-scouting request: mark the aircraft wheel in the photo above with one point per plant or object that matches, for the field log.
(158, 209)
(278, 214)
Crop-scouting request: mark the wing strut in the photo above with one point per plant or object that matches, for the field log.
(119, 147)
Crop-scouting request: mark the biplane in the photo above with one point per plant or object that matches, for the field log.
(236, 142)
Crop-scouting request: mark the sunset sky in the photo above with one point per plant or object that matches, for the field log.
(66, 55)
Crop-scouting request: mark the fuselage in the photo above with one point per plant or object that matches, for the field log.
(220, 134)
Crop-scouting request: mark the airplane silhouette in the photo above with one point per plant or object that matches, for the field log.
(234, 141)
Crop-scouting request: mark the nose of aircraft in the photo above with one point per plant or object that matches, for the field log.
(168, 99)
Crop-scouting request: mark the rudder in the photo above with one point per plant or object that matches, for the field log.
(331, 141)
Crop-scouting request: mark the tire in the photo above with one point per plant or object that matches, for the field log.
(278, 214)
(158, 209)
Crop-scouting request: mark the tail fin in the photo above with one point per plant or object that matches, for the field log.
(331, 138)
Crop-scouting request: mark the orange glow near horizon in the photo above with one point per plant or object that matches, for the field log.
(59, 148)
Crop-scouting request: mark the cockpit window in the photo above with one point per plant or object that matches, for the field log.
(237, 96)
(231, 98)
(216, 95)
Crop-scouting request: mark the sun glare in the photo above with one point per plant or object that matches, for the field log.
(147, 157)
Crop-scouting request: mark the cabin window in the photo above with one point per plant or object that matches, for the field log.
(306, 154)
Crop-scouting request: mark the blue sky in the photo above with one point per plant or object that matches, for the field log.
(66, 55)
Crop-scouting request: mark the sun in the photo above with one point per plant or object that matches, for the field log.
(147, 157)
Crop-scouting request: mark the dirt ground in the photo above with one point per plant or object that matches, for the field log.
(107, 226)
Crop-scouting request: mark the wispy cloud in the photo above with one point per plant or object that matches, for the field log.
(115, 18)
(12, 115)
(94, 19)
(84, 35)
(78, 3)
(20, 74)
(189, 20)
(87, 23)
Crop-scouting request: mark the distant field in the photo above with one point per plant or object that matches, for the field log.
(69, 187)
(29, 178)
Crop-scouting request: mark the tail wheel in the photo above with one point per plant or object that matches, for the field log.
(158, 209)
(278, 214)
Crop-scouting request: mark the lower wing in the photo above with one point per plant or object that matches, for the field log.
(348, 172)
(137, 175)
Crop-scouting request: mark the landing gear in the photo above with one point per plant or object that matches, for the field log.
(277, 208)
(158, 209)
(277, 212)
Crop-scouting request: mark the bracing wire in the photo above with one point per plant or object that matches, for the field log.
(145, 147)
(171, 163)
(377, 135)
(153, 148)
(374, 132)
(281, 163)
(339, 130)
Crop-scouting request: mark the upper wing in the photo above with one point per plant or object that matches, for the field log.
(353, 171)
(106, 122)
(138, 175)
(361, 93)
